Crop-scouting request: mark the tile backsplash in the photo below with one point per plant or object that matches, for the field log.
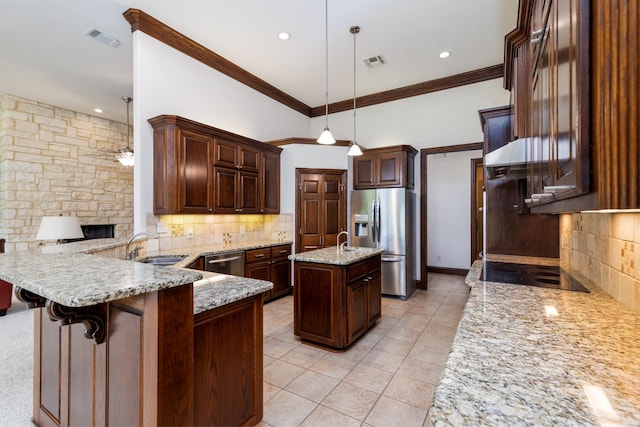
(605, 247)
(177, 231)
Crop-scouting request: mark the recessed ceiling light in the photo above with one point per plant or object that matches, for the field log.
(444, 54)
(98, 110)
(284, 36)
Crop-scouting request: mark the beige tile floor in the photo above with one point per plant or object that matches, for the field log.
(386, 378)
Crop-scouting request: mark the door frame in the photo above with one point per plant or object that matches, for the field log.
(298, 209)
(423, 282)
(475, 206)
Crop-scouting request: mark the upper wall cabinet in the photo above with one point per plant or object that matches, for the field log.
(385, 168)
(571, 81)
(200, 169)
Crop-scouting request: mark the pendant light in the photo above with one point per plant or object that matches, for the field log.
(325, 137)
(354, 149)
(125, 155)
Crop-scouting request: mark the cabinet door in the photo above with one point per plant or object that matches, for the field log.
(374, 291)
(248, 195)
(195, 173)
(280, 277)
(363, 172)
(388, 170)
(357, 317)
(248, 158)
(225, 183)
(270, 184)
(225, 153)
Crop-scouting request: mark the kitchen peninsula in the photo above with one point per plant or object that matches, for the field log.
(337, 294)
(136, 344)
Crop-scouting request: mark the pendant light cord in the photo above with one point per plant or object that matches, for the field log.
(326, 57)
(355, 31)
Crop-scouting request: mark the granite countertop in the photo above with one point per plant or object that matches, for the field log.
(515, 362)
(80, 280)
(193, 252)
(56, 276)
(332, 255)
(216, 290)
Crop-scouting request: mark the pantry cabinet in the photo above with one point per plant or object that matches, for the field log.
(386, 167)
(199, 169)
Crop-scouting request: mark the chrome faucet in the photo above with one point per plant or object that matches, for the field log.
(134, 253)
(340, 246)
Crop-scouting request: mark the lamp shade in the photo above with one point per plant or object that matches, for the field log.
(59, 227)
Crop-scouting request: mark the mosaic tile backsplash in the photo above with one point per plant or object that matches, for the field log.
(178, 231)
(605, 247)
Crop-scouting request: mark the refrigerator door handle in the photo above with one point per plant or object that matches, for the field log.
(378, 219)
(392, 259)
(373, 221)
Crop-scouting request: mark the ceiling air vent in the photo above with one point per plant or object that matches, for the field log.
(103, 37)
(375, 61)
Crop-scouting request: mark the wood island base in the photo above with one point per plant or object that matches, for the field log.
(336, 304)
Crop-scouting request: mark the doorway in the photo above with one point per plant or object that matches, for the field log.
(477, 209)
(321, 208)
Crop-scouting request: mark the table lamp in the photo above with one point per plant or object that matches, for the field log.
(59, 228)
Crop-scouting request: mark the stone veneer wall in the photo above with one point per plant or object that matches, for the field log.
(175, 230)
(50, 164)
(605, 247)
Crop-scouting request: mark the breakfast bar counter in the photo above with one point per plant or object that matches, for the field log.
(529, 356)
(126, 343)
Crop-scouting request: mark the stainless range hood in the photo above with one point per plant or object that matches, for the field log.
(508, 161)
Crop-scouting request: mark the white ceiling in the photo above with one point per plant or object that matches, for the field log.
(45, 56)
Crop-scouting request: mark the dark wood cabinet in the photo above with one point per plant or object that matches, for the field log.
(228, 376)
(334, 305)
(273, 265)
(270, 183)
(571, 66)
(510, 228)
(201, 169)
(384, 168)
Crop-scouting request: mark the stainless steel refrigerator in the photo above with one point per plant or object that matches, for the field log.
(384, 218)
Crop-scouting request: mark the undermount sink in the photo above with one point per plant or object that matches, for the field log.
(164, 260)
(350, 249)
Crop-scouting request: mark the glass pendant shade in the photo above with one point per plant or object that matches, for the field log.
(326, 138)
(354, 150)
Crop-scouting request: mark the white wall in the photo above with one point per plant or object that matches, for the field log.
(168, 82)
(449, 204)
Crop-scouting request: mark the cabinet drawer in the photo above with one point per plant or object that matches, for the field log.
(281, 251)
(357, 270)
(256, 255)
(374, 263)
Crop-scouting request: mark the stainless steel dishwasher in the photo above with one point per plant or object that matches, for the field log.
(227, 263)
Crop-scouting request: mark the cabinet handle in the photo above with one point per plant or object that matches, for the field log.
(284, 251)
(238, 210)
(259, 256)
(239, 167)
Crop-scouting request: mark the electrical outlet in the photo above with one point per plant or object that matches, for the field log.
(189, 234)
(161, 228)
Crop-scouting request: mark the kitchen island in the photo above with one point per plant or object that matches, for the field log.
(529, 356)
(136, 344)
(337, 294)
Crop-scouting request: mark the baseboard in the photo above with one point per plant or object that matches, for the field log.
(446, 270)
